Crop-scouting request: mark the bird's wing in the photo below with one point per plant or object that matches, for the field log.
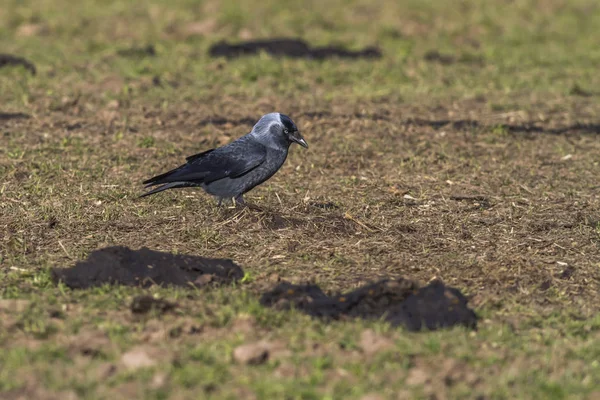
(198, 156)
(231, 161)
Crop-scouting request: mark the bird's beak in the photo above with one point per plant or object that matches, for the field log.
(297, 137)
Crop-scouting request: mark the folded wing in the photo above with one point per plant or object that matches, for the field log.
(230, 161)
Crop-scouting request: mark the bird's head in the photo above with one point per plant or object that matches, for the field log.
(279, 128)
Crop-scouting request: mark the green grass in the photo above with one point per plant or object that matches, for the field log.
(513, 118)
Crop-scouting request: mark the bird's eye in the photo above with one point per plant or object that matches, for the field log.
(286, 131)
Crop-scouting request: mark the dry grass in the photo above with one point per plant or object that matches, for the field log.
(482, 174)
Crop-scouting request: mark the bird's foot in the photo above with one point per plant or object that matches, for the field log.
(235, 202)
(240, 200)
(232, 205)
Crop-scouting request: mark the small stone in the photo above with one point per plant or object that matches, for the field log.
(252, 353)
(158, 380)
(417, 377)
(137, 358)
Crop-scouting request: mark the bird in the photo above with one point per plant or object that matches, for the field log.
(230, 171)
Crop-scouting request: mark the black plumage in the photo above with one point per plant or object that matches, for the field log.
(230, 171)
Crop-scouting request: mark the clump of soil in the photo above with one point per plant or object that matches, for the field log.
(144, 304)
(289, 48)
(138, 52)
(401, 302)
(145, 267)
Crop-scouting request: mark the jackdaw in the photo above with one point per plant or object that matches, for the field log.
(230, 171)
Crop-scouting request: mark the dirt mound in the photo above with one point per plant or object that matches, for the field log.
(400, 302)
(145, 267)
(289, 48)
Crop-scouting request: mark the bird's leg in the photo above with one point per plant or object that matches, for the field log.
(240, 200)
(220, 202)
(232, 203)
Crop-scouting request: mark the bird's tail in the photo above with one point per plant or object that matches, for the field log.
(159, 179)
(171, 185)
(164, 181)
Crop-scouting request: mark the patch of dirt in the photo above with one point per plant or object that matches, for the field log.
(4, 116)
(293, 48)
(141, 357)
(400, 302)
(435, 378)
(138, 52)
(7, 60)
(260, 352)
(372, 343)
(32, 29)
(88, 343)
(144, 304)
(14, 305)
(145, 267)
(38, 393)
(448, 59)
(254, 353)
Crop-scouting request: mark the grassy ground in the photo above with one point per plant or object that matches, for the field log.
(507, 117)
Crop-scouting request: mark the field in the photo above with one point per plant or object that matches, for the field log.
(468, 153)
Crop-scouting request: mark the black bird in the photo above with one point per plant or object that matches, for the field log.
(230, 171)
